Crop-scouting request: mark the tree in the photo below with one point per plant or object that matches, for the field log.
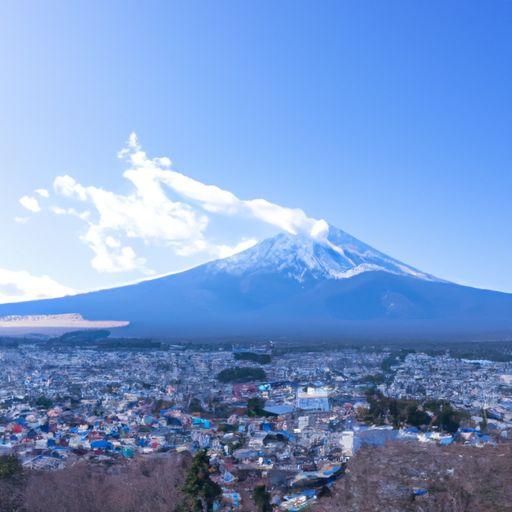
(152, 484)
(383, 409)
(447, 417)
(417, 417)
(484, 423)
(244, 374)
(458, 479)
(195, 405)
(261, 498)
(254, 357)
(255, 407)
(43, 402)
(10, 466)
(199, 488)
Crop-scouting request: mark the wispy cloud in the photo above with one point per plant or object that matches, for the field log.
(165, 207)
(17, 286)
(210, 197)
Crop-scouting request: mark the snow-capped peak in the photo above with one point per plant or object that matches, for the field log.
(329, 253)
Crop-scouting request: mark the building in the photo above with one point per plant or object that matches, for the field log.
(311, 398)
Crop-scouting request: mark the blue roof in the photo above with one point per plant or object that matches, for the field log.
(101, 444)
(279, 409)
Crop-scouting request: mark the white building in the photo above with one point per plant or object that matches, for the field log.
(313, 398)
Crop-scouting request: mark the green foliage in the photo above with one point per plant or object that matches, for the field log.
(255, 407)
(261, 498)
(89, 335)
(324, 492)
(275, 437)
(226, 427)
(242, 375)
(388, 362)
(400, 412)
(237, 443)
(253, 356)
(160, 404)
(200, 490)
(195, 405)
(416, 416)
(44, 402)
(395, 358)
(10, 466)
(487, 351)
(375, 379)
(484, 423)
(221, 411)
(446, 417)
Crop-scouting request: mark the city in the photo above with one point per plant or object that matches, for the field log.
(283, 415)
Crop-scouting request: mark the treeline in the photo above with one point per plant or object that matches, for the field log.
(128, 344)
(254, 357)
(79, 337)
(400, 412)
(7, 342)
(99, 339)
(244, 374)
(395, 359)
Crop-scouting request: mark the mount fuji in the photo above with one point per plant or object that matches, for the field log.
(294, 285)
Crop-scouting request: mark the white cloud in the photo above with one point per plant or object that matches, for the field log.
(320, 230)
(215, 250)
(68, 187)
(110, 255)
(16, 286)
(146, 214)
(149, 213)
(30, 203)
(224, 251)
(84, 215)
(151, 172)
(21, 220)
(42, 192)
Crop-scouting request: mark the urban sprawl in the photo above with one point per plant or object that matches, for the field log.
(289, 417)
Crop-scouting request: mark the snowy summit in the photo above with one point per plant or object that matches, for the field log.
(329, 254)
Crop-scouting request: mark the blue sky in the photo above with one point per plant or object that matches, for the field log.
(391, 120)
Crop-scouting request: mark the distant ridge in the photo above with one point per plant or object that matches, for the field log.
(294, 285)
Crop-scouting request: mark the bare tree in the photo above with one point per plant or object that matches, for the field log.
(404, 477)
(142, 486)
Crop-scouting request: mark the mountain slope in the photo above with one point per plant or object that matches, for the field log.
(293, 285)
